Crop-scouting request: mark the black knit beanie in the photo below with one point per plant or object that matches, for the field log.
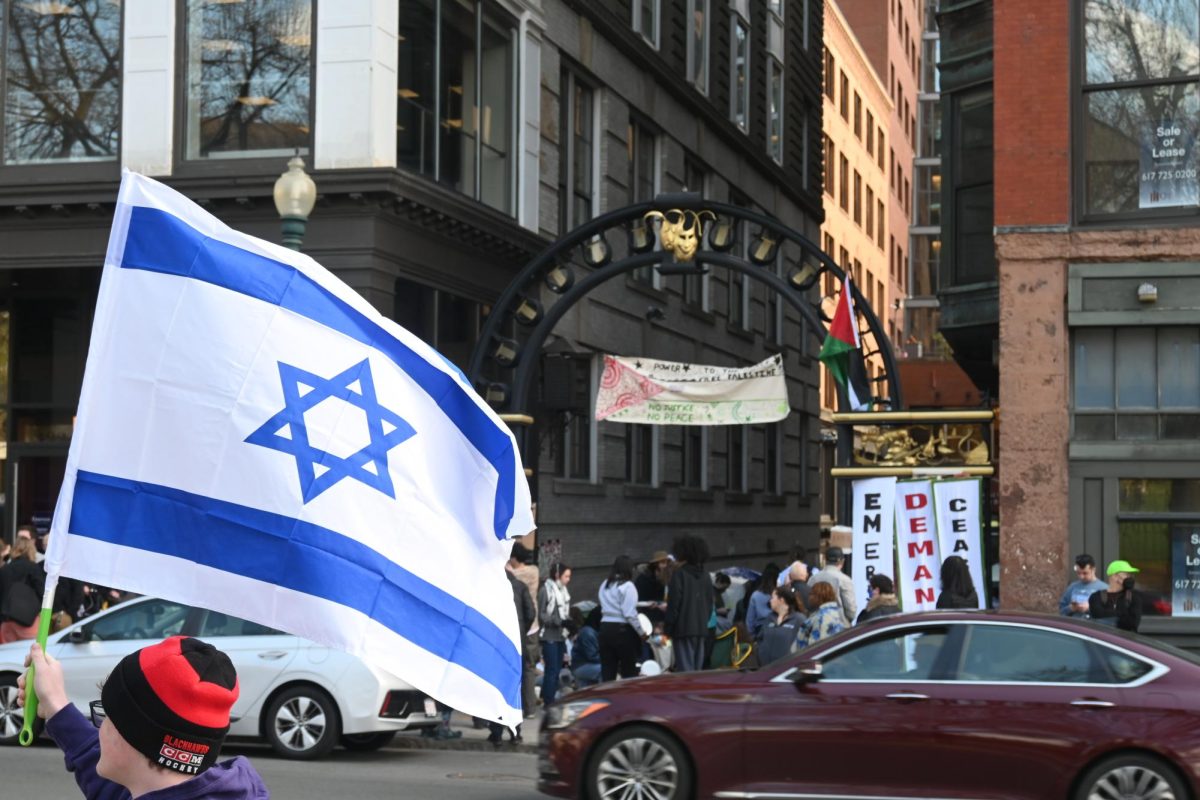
(171, 702)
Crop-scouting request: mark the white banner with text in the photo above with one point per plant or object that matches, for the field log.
(916, 540)
(873, 537)
(957, 506)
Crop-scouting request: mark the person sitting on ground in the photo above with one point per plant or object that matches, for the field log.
(585, 651)
(826, 618)
(958, 590)
(1075, 598)
(883, 602)
(157, 729)
(778, 637)
(1118, 603)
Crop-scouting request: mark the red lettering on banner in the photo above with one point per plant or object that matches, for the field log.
(914, 501)
(922, 573)
(917, 525)
(917, 548)
(925, 595)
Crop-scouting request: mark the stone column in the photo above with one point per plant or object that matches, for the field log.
(1034, 423)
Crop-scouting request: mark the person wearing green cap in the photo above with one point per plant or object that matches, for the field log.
(1119, 604)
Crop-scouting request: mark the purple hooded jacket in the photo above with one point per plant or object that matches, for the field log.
(79, 740)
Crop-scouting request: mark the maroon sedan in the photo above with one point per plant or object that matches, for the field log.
(946, 705)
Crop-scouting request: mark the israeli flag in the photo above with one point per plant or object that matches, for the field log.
(253, 437)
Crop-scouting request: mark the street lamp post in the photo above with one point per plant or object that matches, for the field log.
(295, 195)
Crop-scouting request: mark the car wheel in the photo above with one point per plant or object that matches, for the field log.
(12, 716)
(366, 742)
(1131, 777)
(302, 722)
(638, 762)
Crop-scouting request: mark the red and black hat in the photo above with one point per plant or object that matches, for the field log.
(171, 702)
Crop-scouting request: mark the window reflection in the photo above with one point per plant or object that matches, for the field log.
(1137, 40)
(1142, 63)
(61, 66)
(249, 68)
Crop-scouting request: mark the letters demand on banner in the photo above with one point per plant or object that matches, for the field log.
(873, 533)
(256, 439)
(958, 525)
(653, 392)
(916, 538)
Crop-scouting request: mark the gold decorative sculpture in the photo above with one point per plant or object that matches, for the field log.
(680, 231)
(923, 445)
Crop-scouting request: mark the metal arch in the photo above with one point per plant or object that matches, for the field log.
(533, 345)
(503, 310)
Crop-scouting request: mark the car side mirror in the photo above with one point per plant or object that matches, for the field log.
(807, 672)
(80, 635)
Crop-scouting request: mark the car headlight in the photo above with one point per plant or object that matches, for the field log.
(562, 715)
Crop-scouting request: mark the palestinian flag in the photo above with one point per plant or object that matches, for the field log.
(842, 352)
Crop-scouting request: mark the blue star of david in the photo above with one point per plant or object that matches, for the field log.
(318, 469)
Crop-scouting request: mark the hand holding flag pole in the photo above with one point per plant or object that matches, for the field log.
(26, 736)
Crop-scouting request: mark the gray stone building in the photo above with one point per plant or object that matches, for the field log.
(451, 141)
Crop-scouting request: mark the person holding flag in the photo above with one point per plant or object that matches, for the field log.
(157, 728)
(841, 353)
(255, 438)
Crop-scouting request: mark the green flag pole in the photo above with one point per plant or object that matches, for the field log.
(31, 699)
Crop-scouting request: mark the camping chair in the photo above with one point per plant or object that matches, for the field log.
(728, 652)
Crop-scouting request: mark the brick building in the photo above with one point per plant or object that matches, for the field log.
(1094, 286)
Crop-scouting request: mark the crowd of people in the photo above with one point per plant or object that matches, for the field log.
(667, 613)
(23, 582)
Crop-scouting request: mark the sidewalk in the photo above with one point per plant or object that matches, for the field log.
(472, 738)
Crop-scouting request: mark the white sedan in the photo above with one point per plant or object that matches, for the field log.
(302, 697)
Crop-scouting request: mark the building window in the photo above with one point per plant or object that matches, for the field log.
(858, 109)
(642, 150)
(735, 458)
(879, 223)
(457, 98)
(870, 134)
(844, 178)
(695, 457)
(844, 106)
(695, 179)
(776, 8)
(1135, 383)
(829, 179)
(567, 395)
(577, 183)
(646, 15)
(248, 78)
(973, 252)
(640, 454)
(870, 209)
(1157, 519)
(775, 110)
(772, 437)
(738, 296)
(61, 71)
(1141, 103)
(858, 197)
(829, 76)
(739, 74)
(882, 144)
(697, 44)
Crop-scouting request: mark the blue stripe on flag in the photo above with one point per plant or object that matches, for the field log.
(296, 555)
(161, 242)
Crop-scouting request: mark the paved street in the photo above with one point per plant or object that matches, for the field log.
(38, 772)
